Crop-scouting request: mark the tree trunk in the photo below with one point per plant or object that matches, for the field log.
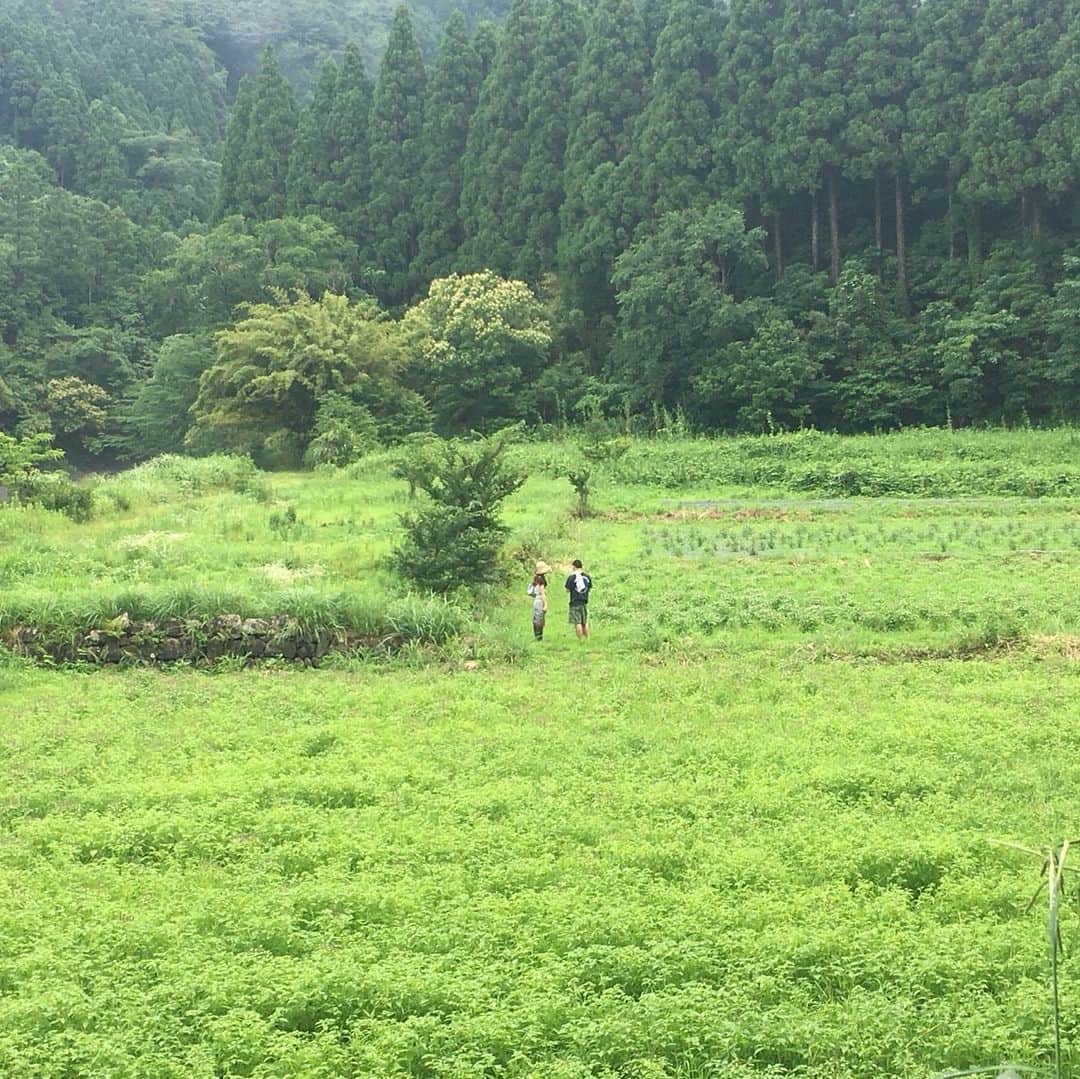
(950, 216)
(877, 212)
(974, 236)
(901, 245)
(778, 245)
(834, 229)
(815, 239)
(1036, 215)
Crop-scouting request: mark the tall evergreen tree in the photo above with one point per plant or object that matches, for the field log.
(947, 33)
(264, 167)
(350, 120)
(315, 150)
(230, 186)
(395, 147)
(1059, 135)
(882, 47)
(746, 84)
(496, 150)
(609, 88)
(547, 96)
(674, 146)
(1007, 110)
(808, 105)
(485, 42)
(451, 100)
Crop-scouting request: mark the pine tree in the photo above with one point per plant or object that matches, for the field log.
(608, 94)
(881, 47)
(1059, 135)
(395, 147)
(451, 100)
(485, 42)
(314, 151)
(547, 96)
(947, 33)
(230, 186)
(746, 79)
(350, 120)
(808, 106)
(496, 150)
(1013, 77)
(674, 147)
(265, 162)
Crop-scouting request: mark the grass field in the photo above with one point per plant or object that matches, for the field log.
(745, 830)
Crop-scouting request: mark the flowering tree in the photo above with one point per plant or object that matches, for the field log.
(477, 340)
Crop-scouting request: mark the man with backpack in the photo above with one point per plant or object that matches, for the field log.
(579, 584)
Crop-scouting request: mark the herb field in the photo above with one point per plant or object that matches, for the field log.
(746, 829)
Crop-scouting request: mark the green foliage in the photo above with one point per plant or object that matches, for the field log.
(275, 366)
(496, 148)
(552, 151)
(22, 458)
(396, 149)
(599, 451)
(679, 290)
(315, 150)
(350, 161)
(77, 409)
(454, 541)
(674, 148)
(264, 147)
(343, 432)
(674, 851)
(55, 491)
(208, 276)
(171, 476)
(609, 87)
(550, 83)
(479, 341)
(448, 110)
(158, 414)
(767, 382)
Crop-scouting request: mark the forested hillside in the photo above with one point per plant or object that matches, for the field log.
(851, 213)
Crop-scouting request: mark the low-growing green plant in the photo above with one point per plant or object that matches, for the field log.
(55, 491)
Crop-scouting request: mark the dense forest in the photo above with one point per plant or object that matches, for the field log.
(856, 214)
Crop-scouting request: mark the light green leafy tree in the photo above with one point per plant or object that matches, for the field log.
(277, 364)
(479, 341)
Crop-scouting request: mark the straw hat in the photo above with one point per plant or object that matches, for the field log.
(542, 567)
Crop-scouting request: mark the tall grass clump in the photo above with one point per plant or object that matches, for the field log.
(164, 478)
(387, 620)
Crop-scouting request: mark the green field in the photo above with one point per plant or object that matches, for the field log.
(747, 829)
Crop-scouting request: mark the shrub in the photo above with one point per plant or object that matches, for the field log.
(162, 478)
(456, 538)
(344, 432)
(54, 491)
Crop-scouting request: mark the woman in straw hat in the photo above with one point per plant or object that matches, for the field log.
(538, 591)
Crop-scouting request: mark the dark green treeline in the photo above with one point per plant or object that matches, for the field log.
(856, 214)
(923, 158)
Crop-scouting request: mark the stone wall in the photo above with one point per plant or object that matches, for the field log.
(125, 640)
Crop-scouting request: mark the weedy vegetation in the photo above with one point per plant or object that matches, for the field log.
(748, 829)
